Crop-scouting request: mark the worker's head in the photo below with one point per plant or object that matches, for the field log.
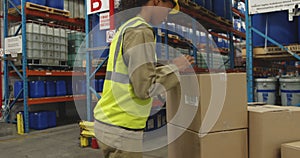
(155, 10)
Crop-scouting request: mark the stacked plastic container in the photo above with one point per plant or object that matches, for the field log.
(75, 44)
(42, 120)
(45, 45)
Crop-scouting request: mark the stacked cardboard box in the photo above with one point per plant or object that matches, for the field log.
(270, 127)
(207, 116)
(290, 150)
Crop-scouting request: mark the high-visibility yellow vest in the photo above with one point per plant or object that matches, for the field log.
(119, 105)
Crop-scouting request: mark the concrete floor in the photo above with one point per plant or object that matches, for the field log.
(59, 142)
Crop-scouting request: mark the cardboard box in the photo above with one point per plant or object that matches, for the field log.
(269, 127)
(209, 102)
(290, 150)
(228, 144)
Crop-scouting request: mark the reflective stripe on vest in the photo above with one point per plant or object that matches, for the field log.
(119, 105)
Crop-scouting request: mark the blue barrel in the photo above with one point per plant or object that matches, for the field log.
(38, 120)
(51, 118)
(279, 28)
(94, 84)
(200, 2)
(18, 85)
(220, 8)
(219, 42)
(59, 4)
(37, 89)
(61, 88)
(100, 84)
(50, 89)
(81, 87)
(69, 87)
(203, 38)
(209, 5)
(40, 2)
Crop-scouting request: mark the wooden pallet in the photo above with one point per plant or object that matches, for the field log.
(33, 6)
(273, 52)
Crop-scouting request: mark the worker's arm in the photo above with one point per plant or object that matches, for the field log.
(146, 78)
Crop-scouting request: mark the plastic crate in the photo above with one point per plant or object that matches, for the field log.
(38, 120)
(51, 119)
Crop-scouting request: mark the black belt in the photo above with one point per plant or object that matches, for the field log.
(130, 129)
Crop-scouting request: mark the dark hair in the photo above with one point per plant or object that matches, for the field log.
(130, 9)
(128, 4)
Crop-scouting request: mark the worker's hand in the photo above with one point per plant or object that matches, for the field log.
(183, 62)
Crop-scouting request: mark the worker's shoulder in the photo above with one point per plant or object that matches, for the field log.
(141, 29)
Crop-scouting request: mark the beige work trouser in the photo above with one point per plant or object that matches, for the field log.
(116, 142)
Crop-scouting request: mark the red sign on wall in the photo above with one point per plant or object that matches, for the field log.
(96, 6)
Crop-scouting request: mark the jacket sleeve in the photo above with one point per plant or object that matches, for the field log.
(139, 53)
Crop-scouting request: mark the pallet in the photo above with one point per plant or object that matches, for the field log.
(273, 52)
(33, 6)
(47, 68)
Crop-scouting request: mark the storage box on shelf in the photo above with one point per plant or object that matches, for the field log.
(46, 45)
(76, 45)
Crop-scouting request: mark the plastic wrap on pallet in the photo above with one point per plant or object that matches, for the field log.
(279, 28)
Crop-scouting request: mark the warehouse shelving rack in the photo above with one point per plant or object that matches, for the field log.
(215, 23)
(249, 51)
(24, 14)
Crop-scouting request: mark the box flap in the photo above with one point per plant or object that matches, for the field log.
(269, 108)
(294, 145)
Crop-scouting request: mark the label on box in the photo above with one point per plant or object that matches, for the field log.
(13, 45)
(191, 100)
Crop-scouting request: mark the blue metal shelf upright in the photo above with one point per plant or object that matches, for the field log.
(89, 73)
(249, 51)
(7, 62)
